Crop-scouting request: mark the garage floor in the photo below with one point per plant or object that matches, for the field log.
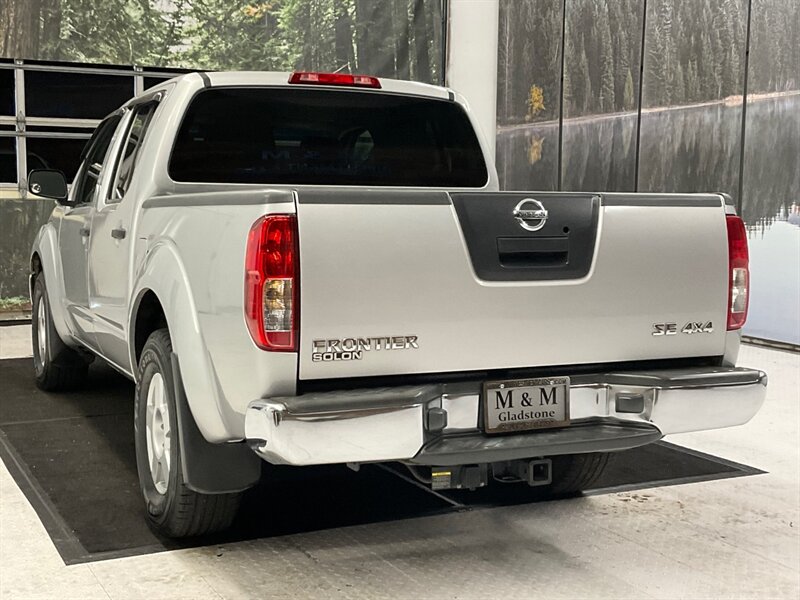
(736, 537)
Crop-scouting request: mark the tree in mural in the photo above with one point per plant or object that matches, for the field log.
(535, 102)
(628, 99)
(86, 30)
(775, 34)
(606, 59)
(529, 54)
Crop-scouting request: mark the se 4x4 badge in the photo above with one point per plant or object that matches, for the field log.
(690, 328)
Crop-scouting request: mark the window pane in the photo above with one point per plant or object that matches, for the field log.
(96, 152)
(7, 92)
(55, 153)
(771, 186)
(601, 95)
(135, 137)
(771, 177)
(154, 81)
(326, 137)
(528, 90)
(387, 39)
(692, 96)
(8, 160)
(75, 95)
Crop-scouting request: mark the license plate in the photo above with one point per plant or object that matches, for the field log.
(523, 404)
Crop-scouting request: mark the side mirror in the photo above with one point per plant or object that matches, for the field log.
(48, 183)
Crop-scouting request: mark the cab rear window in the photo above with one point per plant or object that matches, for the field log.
(326, 137)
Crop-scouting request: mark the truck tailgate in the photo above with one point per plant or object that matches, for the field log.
(402, 282)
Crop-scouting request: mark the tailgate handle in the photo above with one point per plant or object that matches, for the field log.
(528, 252)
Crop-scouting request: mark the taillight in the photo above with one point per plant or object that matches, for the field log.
(738, 272)
(271, 283)
(335, 79)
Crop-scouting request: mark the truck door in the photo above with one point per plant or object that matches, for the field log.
(75, 231)
(111, 241)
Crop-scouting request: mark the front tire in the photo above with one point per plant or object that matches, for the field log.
(173, 509)
(57, 367)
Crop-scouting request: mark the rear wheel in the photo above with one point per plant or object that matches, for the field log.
(574, 473)
(57, 366)
(172, 508)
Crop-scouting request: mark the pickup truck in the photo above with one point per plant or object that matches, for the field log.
(314, 268)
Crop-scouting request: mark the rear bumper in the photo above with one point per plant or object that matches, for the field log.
(439, 424)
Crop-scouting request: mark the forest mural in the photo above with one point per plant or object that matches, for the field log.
(694, 52)
(398, 38)
(679, 129)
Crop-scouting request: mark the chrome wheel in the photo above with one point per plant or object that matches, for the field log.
(158, 433)
(41, 331)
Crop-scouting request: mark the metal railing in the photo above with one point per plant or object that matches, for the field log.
(21, 121)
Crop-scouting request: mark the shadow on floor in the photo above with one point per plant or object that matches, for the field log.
(73, 457)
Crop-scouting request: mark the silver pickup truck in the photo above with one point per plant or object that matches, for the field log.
(319, 268)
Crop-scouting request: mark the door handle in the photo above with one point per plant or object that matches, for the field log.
(85, 231)
(118, 234)
(532, 252)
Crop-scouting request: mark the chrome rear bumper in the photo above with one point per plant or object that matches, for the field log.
(439, 423)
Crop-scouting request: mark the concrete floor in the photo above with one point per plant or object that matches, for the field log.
(733, 538)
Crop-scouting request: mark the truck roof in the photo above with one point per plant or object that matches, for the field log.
(281, 78)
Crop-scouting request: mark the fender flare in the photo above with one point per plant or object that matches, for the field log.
(164, 274)
(45, 245)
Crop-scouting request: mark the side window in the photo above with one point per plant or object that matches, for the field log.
(94, 157)
(129, 154)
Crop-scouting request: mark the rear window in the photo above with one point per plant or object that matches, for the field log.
(326, 137)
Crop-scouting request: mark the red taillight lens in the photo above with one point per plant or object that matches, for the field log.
(271, 283)
(738, 272)
(335, 79)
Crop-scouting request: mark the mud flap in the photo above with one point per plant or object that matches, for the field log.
(210, 468)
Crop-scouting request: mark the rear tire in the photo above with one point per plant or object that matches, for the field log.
(574, 473)
(173, 509)
(57, 366)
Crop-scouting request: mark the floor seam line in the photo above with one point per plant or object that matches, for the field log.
(211, 587)
(59, 419)
(100, 583)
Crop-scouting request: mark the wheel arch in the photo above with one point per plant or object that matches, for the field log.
(35, 270)
(163, 297)
(148, 316)
(45, 260)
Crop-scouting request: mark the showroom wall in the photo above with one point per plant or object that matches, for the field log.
(65, 64)
(652, 100)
